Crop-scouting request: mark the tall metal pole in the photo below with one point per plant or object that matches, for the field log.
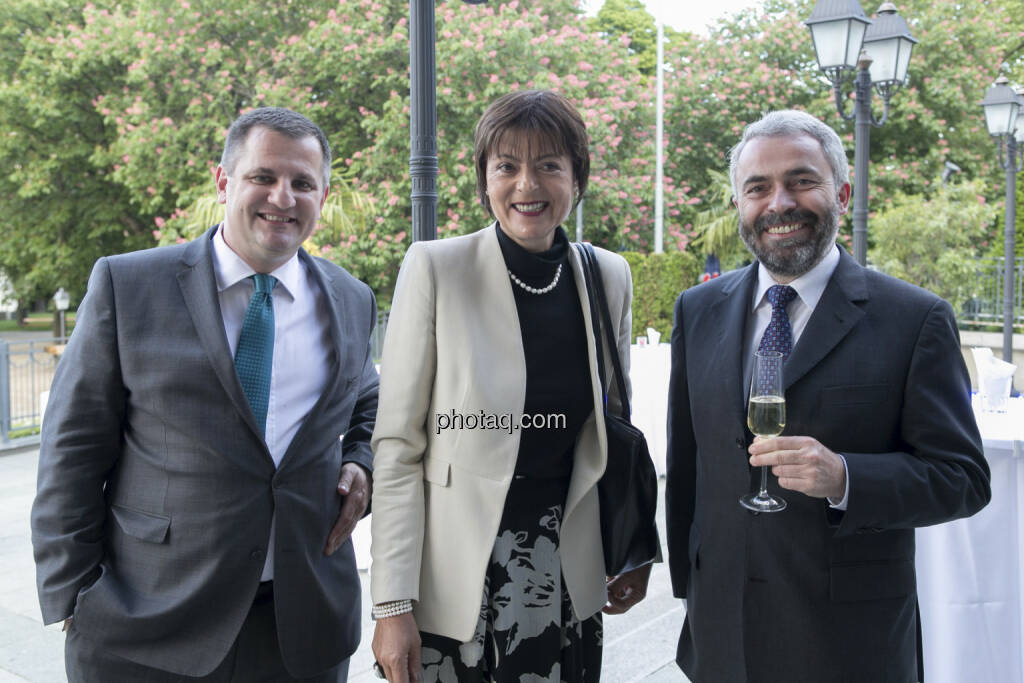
(861, 151)
(1009, 230)
(423, 164)
(659, 174)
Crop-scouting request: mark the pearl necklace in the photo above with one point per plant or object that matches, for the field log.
(537, 290)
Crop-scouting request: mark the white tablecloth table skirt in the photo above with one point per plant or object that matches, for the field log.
(648, 374)
(970, 572)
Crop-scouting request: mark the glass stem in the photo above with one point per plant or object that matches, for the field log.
(763, 493)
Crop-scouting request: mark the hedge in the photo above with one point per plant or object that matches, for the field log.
(657, 281)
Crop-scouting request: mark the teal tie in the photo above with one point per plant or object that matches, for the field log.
(255, 353)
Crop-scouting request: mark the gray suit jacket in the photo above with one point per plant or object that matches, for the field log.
(156, 490)
(810, 595)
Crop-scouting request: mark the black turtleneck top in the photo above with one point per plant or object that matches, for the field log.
(557, 366)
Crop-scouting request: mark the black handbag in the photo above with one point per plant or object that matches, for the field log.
(628, 489)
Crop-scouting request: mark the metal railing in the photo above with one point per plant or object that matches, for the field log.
(27, 367)
(26, 370)
(987, 306)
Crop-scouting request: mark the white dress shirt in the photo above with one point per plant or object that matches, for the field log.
(809, 288)
(301, 345)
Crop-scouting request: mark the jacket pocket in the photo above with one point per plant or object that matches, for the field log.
(436, 471)
(882, 580)
(144, 526)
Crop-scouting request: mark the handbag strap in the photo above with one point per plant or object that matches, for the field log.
(599, 314)
(595, 318)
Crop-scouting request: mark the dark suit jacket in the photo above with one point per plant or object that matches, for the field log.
(156, 489)
(810, 594)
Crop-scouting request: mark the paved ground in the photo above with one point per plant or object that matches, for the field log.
(639, 645)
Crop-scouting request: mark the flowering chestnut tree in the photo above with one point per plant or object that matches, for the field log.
(113, 115)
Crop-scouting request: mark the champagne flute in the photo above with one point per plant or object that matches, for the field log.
(766, 417)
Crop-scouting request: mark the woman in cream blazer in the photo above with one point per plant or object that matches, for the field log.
(452, 388)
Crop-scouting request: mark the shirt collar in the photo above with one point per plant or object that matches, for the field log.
(230, 269)
(809, 286)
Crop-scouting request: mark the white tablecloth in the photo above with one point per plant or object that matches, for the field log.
(648, 375)
(970, 572)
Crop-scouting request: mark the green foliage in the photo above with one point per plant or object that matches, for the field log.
(718, 89)
(937, 117)
(716, 225)
(630, 18)
(61, 210)
(550, 51)
(932, 242)
(657, 281)
(112, 115)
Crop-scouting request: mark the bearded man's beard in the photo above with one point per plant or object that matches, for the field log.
(794, 256)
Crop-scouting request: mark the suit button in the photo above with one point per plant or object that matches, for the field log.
(740, 443)
(256, 554)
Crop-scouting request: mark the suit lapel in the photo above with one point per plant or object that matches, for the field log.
(727, 330)
(835, 315)
(199, 289)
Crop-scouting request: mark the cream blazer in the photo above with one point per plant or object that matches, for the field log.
(453, 343)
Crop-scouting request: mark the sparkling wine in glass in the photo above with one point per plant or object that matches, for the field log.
(766, 417)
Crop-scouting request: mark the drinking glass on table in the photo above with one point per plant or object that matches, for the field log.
(766, 417)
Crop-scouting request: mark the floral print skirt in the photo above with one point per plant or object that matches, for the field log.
(527, 632)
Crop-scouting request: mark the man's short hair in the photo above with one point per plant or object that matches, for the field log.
(788, 123)
(280, 120)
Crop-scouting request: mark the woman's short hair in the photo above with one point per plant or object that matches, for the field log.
(787, 123)
(549, 115)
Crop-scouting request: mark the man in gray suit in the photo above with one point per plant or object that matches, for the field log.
(879, 437)
(195, 497)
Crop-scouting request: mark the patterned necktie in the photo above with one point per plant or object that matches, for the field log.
(255, 352)
(778, 336)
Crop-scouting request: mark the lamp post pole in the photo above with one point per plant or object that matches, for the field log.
(1012, 166)
(1002, 107)
(861, 152)
(423, 166)
(659, 173)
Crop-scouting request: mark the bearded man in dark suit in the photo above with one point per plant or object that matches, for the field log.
(879, 439)
(195, 498)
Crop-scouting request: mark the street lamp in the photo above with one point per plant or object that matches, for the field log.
(1002, 105)
(844, 40)
(62, 300)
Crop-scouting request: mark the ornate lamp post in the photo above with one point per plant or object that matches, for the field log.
(423, 165)
(1002, 105)
(844, 40)
(422, 120)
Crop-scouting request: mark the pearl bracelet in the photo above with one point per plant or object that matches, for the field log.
(391, 609)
